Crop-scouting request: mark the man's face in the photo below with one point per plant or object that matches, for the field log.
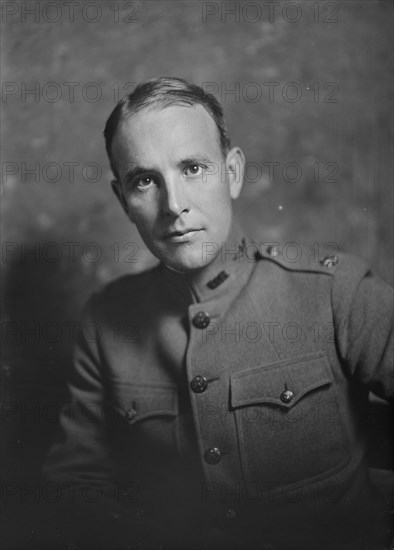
(176, 186)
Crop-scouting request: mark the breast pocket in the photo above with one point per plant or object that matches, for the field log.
(146, 415)
(288, 421)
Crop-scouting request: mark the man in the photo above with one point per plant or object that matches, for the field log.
(196, 419)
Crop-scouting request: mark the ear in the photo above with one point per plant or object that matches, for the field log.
(118, 190)
(235, 165)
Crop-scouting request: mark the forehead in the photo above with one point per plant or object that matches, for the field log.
(178, 130)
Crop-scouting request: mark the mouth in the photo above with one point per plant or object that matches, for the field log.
(183, 235)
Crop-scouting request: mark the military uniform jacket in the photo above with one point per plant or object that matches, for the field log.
(227, 410)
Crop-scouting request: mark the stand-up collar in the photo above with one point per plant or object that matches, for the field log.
(229, 269)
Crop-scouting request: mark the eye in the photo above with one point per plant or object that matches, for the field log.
(145, 182)
(193, 170)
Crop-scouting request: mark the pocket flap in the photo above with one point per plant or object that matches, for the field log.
(267, 384)
(137, 402)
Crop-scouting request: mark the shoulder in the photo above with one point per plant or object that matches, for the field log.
(337, 278)
(304, 267)
(122, 290)
(297, 258)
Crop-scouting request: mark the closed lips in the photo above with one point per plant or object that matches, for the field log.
(181, 232)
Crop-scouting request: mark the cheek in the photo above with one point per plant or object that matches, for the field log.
(143, 223)
(218, 201)
(142, 211)
(213, 193)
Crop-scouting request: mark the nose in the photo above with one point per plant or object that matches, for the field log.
(174, 197)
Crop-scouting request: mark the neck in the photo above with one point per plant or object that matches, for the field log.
(226, 262)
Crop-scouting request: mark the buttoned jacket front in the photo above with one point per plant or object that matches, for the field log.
(238, 398)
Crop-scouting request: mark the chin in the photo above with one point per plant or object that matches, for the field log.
(184, 265)
(183, 261)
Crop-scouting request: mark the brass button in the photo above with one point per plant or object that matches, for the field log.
(199, 384)
(213, 456)
(131, 413)
(201, 319)
(329, 261)
(286, 396)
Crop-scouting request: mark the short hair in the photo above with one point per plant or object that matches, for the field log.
(163, 92)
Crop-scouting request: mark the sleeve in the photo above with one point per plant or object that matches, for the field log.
(80, 453)
(80, 461)
(363, 321)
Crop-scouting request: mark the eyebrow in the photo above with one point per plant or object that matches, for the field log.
(194, 160)
(136, 171)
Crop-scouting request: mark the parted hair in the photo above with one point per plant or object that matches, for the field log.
(161, 93)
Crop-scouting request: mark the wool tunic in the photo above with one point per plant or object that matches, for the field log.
(226, 409)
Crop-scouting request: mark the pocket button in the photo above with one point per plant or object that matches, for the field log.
(231, 514)
(131, 413)
(286, 396)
